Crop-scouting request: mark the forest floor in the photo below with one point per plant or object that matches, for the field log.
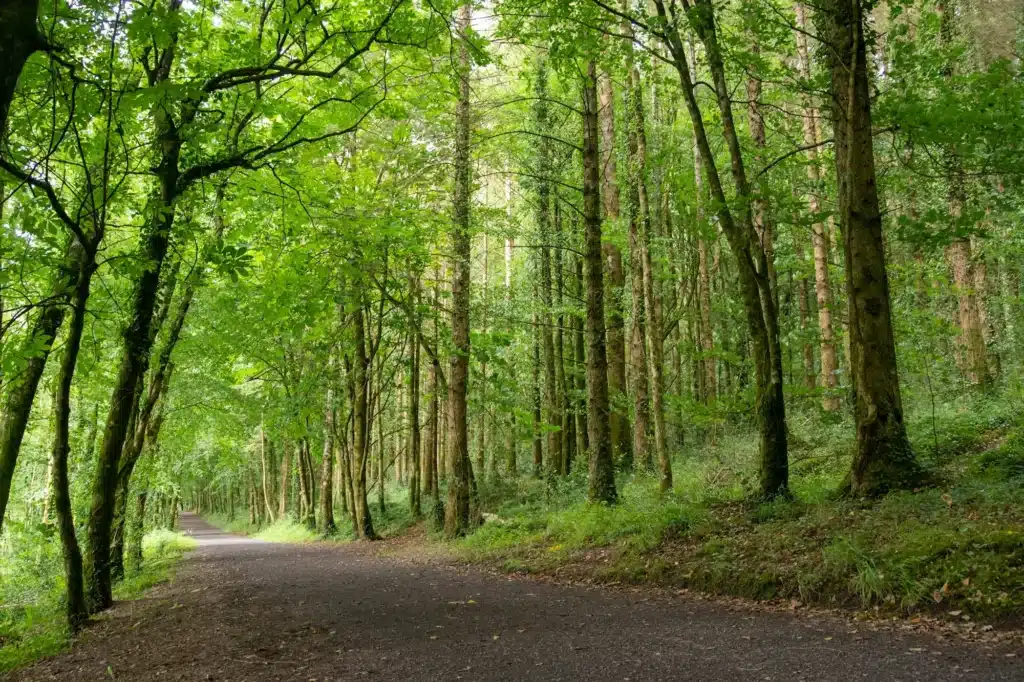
(240, 609)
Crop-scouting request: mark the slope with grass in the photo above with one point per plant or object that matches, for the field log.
(955, 549)
(32, 621)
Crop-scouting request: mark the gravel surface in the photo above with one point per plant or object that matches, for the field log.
(240, 609)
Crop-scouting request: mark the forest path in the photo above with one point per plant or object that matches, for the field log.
(241, 609)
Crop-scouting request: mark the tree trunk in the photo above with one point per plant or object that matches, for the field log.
(360, 506)
(648, 353)
(456, 517)
(804, 311)
(19, 39)
(77, 611)
(143, 411)
(21, 391)
(707, 379)
(819, 233)
(538, 438)
(415, 486)
(430, 459)
(326, 517)
(511, 465)
(484, 398)
(762, 219)
(566, 423)
(552, 411)
(379, 414)
(751, 261)
(284, 480)
(601, 474)
(264, 476)
(138, 339)
(579, 370)
(883, 458)
(620, 425)
(138, 531)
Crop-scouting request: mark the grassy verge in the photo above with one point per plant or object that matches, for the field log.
(395, 520)
(957, 549)
(32, 615)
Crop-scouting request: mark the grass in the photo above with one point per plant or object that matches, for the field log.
(395, 519)
(32, 618)
(957, 548)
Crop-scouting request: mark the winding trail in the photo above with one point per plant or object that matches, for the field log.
(240, 609)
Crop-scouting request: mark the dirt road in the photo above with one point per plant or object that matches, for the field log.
(245, 610)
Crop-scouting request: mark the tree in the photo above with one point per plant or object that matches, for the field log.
(883, 458)
(457, 515)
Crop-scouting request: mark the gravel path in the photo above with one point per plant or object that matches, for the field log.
(246, 610)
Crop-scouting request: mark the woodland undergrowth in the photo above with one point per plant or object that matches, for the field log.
(32, 621)
(955, 548)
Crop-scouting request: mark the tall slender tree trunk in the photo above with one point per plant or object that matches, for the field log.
(535, 400)
(77, 611)
(803, 288)
(883, 458)
(284, 478)
(361, 442)
(819, 232)
(430, 458)
(511, 463)
(137, 532)
(648, 347)
(137, 337)
(415, 484)
(326, 517)
(566, 424)
(762, 218)
(751, 261)
(616, 350)
(639, 216)
(579, 370)
(379, 418)
(456, 518)
(484, 433)
(601, 473)
(21, 391)
(552, 412)
(265, 477)
(958, 253)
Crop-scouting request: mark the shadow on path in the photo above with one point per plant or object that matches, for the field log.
(247, 610)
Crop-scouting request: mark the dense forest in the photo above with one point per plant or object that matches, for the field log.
(353, 264)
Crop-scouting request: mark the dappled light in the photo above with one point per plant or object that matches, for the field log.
(511, 339)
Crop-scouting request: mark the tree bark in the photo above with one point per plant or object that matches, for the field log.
(751, 261)
(620, 425)
(19, 39)
(77, 610)
(567, 424)
(601, 473)
(819, 232)
(137, 337)
(535, 403)
(326, 524)
(21, 390)
(579, 370)
(415, 488)
(552, 412)
(708, 378)
(456, 517)
(883, 458)
(362, 521)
